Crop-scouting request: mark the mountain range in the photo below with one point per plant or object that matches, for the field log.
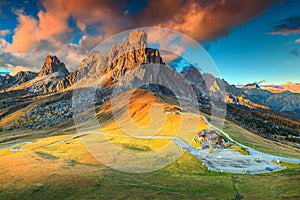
(125, 62)
(287, 87)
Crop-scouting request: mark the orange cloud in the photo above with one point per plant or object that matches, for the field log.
(210, 20)
(50, 33)
(203, 20)
(52, 24)
(26, 35)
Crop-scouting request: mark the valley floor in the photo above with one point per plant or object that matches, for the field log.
(57, 164)
(68, 171)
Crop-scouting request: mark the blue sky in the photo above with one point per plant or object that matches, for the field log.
(256, 41)
(250, 54)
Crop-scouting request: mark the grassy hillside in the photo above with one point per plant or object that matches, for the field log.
(68, 171)
(259, 143)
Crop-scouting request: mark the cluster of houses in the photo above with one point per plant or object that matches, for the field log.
(210, 138)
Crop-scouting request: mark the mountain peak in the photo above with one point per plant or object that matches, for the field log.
(251, 86)
(122, 57)
(138, 38)
(52, 65)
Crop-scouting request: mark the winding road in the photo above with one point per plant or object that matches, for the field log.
(222, 160)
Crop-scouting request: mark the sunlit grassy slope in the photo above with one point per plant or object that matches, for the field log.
(259, 143)
(67, 170)
(145, 116)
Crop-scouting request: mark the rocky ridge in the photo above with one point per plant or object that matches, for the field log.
(124, 63)
(291, 87)
(106, 68)
(19, 78)
(47, 115)
(111, 66)
(251, 86)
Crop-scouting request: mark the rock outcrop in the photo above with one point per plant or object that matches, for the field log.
(52, 65)
(244, 102)
(208, 85)
(107, 69)
(251, 86)
(125, 56)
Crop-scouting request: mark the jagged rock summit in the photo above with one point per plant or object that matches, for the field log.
(108, 68)
(52, 65)
(251, 86)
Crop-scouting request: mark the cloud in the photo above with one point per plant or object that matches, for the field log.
(52, 24)
(50, 31)
(3, 44)
(4, 32)
(202, 20)
(26, 35)
(295, 52)
(261, 81)
(290, 25)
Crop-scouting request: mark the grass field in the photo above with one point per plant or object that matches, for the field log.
(259, 143)
(59, 172)
(68, 171)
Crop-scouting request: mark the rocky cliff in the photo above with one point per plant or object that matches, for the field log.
(53, 65)
(251, 86)
(107, 69)
(111, 66)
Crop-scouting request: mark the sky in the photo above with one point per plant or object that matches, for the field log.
(249, 40)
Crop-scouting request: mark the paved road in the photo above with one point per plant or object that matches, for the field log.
(250, 150)
(185, 146)
(220, 161)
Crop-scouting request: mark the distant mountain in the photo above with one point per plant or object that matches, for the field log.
(128, 65)
(250, 96)
(244, 101)
(251, 86)
(7, 80)
(288, 86)
(52, 71)
(282, 102)
(209, 86)
(127, 58)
